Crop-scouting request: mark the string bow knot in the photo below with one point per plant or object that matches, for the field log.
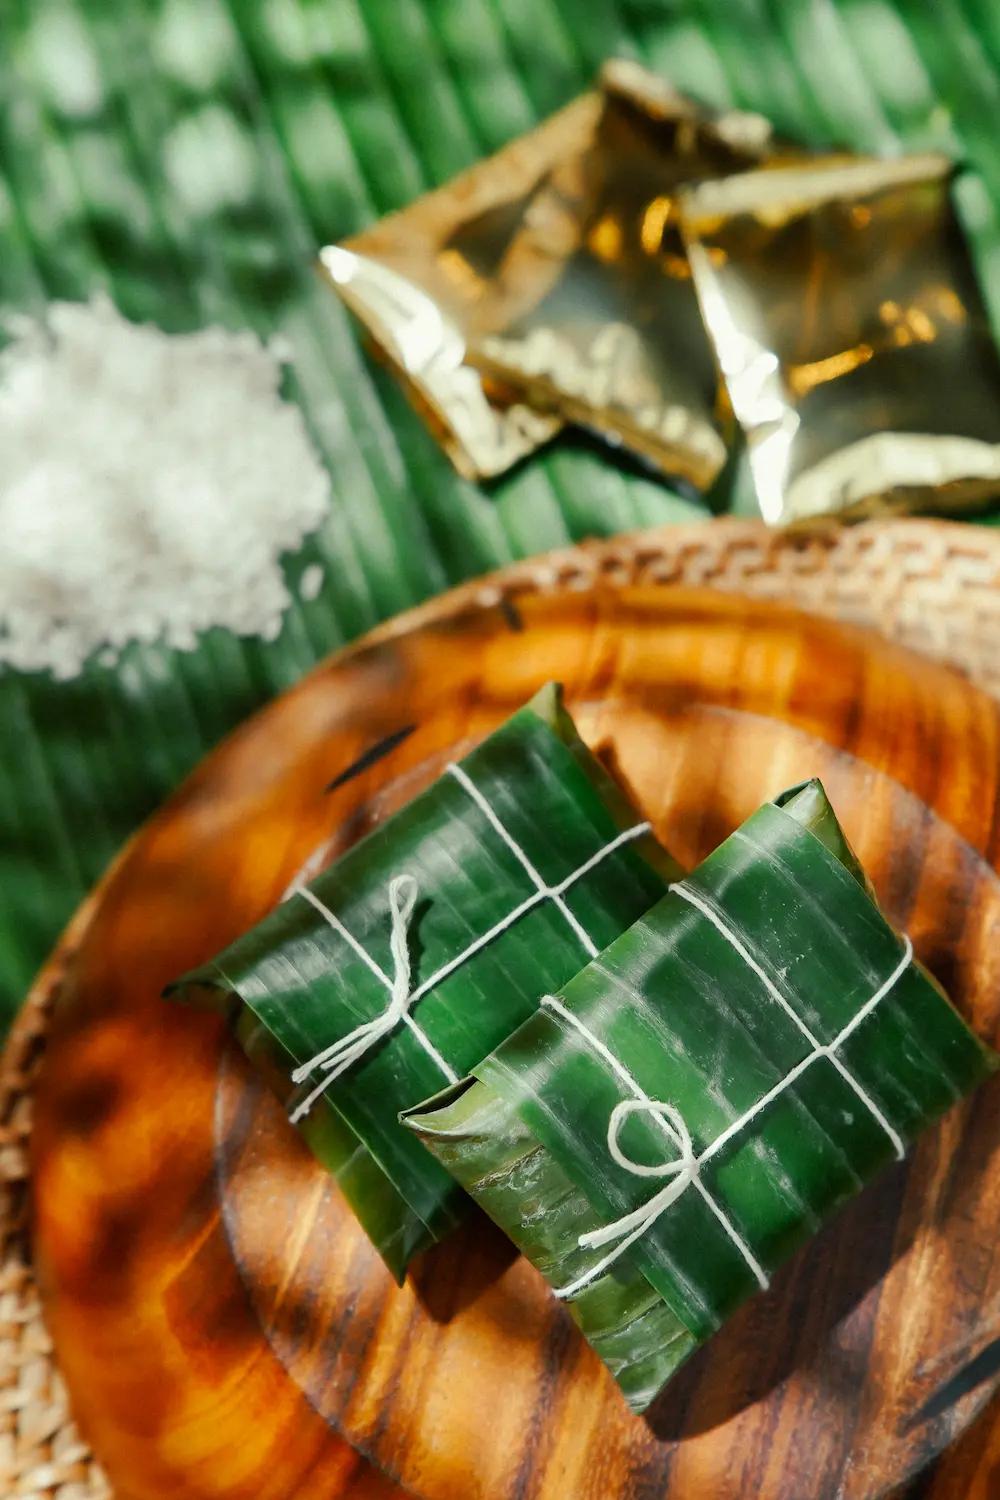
(681, 1171)
(343, 1054)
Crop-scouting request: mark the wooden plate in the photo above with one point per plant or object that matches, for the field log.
(220, 1318)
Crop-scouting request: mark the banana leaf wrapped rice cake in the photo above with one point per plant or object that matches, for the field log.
(690, 1108)
(412, 957)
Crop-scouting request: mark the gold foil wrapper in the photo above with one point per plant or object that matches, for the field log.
(851, 335)
(600, 318)
(424, 346)
(419, 303)
(550, 284)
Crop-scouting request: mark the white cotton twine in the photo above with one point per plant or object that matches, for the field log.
(685, 1169)
(351, 1048)
(149, 485)
(346, 1051)
(682, 1171)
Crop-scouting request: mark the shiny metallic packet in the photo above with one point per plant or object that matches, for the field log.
(419, 301)
(851, 334)
(600, 318)
(550, 284)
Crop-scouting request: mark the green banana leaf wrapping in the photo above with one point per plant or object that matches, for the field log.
(735, 1135)
(302, 980)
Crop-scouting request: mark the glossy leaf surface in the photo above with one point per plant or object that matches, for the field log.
(300, 984)
(768, 1004)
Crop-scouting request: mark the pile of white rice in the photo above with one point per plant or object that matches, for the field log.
(149, 485)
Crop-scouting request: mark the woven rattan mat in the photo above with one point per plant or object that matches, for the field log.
(935, 586)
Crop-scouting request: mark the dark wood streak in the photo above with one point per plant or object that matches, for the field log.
(510, 612)
(984, 1366)
(371, 757)
(556, 1345)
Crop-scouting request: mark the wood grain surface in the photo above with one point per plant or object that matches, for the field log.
(220, 1318)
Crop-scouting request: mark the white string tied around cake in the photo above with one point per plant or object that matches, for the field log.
(686, 1168)
(681, 1171)
(344, 1053)
(667, 1117)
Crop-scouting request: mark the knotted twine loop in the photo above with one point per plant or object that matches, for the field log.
(336, 1059)
(682, 1171)
(334, 1054)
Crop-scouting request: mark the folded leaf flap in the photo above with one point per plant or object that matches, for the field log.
(809, 805)
(488, 1148)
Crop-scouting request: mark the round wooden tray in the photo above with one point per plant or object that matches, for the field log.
(221, 1320)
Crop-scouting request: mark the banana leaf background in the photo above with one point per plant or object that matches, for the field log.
(188, 156)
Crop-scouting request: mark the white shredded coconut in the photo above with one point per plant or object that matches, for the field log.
(149, 484)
